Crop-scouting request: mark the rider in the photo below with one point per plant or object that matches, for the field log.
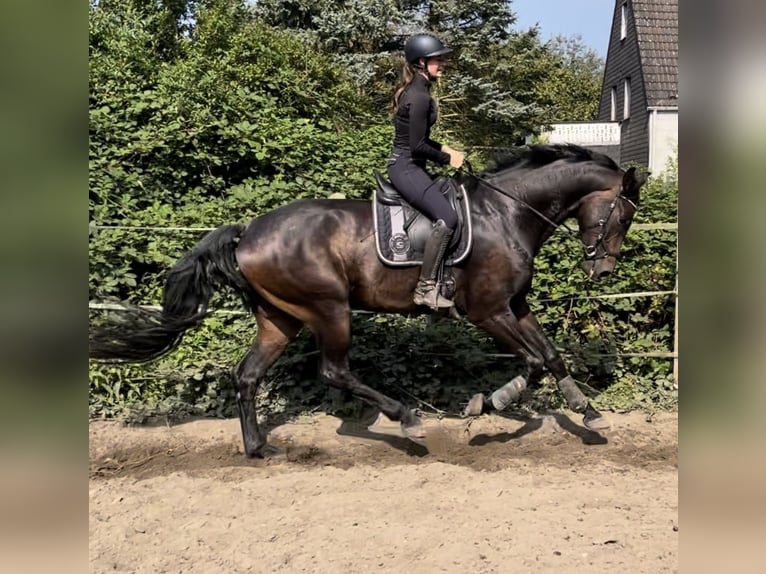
(415, 112)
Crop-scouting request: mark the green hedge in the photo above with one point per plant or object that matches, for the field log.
(243, 119)
(442, 363)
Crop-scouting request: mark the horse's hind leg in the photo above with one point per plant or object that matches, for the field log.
(275, 331)
(333, 333)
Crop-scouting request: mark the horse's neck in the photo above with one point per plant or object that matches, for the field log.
(553, 204)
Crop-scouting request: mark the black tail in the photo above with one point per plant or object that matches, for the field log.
(139, 334)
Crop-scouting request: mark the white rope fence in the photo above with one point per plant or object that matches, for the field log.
(638, 294)
(97, 227)
(116, 307)
(652, 354)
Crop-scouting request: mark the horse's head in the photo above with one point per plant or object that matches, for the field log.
(604, 218)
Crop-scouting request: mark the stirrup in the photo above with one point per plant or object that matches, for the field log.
(427, 293)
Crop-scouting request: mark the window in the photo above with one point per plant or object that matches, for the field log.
(626, 99)
(623, 20)
(613, 113)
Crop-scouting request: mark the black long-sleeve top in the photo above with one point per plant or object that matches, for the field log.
(413, 120)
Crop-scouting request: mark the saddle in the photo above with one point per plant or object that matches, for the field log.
(401, 230)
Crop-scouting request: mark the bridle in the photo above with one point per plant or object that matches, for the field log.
(592, 250)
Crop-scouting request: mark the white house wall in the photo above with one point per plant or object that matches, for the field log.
(663, 138)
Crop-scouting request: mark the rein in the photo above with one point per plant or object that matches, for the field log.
(590, 250)
(492, 186)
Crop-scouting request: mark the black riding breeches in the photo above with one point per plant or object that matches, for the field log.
(420, 191)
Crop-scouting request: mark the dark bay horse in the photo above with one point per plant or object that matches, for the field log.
(311, 262)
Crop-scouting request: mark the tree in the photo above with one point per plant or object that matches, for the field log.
(575, 83)
(503, 84)
(367, 36)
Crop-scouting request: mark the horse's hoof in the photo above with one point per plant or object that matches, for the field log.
(265, 451)
(417, 437)
(596, 424)
(414, 429)
(475, 406)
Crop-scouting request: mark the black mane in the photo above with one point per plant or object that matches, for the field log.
(534, 156)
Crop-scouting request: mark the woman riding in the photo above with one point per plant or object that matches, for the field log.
(415, 112)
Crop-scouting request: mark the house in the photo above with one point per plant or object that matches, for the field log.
(603, 137)
(640, 87)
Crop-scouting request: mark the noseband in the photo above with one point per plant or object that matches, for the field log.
(592, 251)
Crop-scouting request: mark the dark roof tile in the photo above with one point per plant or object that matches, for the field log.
(657, 28)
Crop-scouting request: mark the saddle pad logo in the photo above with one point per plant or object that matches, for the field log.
(399, 244)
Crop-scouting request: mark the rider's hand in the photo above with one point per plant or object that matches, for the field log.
(456, 158)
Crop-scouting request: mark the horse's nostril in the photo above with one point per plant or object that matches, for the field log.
(604, 274)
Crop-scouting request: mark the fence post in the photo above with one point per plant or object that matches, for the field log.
(675, 326)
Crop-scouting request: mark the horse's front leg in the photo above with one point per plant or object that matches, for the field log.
(533, 333)
(504, 327)
(517, 329)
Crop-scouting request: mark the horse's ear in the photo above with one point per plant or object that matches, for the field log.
(629, 180)
(641, 178)
(631, 183)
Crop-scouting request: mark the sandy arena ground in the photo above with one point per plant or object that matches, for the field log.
(501, 495)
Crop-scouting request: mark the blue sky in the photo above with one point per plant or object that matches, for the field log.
(590, 18)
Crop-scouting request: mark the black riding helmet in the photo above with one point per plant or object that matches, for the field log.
(423, 46)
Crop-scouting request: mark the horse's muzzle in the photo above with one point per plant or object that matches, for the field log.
(599, 269)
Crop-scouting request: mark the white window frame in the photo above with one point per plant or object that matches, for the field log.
(624, 21)
(613, 112)
(626, 99)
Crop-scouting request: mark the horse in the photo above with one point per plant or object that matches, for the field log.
(312, 261)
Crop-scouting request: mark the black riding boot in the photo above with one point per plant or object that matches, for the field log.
(427, 290)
